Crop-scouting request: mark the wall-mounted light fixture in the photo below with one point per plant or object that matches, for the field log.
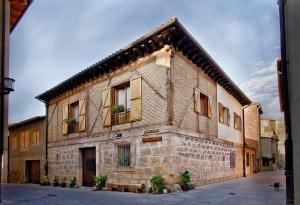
(8, 86)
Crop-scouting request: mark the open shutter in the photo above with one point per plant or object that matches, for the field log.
(136, 99)
(65, 119)
(106, 111)
(197, 100)
(221, 113)
(228, 117)
(209, 108)
(81, 115)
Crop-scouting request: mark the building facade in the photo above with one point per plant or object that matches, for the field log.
(272, 144)
(152, 108)
(252, 156)
(27, 150)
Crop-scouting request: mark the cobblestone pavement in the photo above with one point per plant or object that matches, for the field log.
(253, 190)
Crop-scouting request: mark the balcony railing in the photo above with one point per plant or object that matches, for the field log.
(121, 117)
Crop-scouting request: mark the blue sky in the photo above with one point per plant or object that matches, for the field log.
(56, 39)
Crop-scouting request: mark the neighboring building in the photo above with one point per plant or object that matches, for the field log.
(289, 86)
(252, 114)
(27, 150)
(272, 144)
(11, 11)
(155, 107)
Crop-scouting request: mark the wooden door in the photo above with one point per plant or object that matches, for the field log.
(33, 171)
(88, 166)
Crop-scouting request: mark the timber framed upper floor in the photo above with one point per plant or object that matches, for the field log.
(163, 78)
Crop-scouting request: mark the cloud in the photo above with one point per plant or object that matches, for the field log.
(262, 87)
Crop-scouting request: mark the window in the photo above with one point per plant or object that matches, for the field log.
(247, 160)
(237, 122)
(232, 159)
(14, 142)
(224, 115)
(36, 137)
(121, 105)
(24, 142)
(73, 117)
(202, 103)
(124, 155)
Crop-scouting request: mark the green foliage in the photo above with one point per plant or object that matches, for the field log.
(45, 181)
(55, 181)
(72, 182)
(63, 181)
(185, 181)
(118, 109)
(157, 184)
(99, 181)
(71, 121)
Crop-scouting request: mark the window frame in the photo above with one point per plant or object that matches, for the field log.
(204, 104)
(237, 124)
(36, 139)
(72, 115)
(24, 140)
(222, 113)
(127, 158)
(123, 116)
(14, 142)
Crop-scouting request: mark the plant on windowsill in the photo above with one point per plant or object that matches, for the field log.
(118, 109)
(72, 124)
(72, 182)
(99, 182)
(157, 185)
(45, 181)
(185, 181)
(55, 181)
(63, 181)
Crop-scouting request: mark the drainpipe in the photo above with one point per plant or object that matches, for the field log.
(244, 141)
(46, 143)
(288, 142)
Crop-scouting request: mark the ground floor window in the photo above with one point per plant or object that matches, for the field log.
(124, 155)
(232, 159)
(247, 160)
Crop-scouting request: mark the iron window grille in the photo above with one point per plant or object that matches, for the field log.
(124, 155)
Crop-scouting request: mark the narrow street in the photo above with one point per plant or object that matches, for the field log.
(253, 190)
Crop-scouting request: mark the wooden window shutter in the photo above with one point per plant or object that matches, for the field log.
(221, 113)
(136, 98)
(26, 140)
(81, 115)
(65, 119)
(106, 111)
(197, 100)
(209, 114)
(228, 117)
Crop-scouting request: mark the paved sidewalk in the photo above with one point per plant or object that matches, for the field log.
(253, 190)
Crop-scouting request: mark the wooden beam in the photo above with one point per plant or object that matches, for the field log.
(152, 44)
(160, 40)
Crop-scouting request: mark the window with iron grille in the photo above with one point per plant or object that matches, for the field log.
(124, 155)
(232, 159)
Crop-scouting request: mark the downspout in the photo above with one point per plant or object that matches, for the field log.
(244, 141)
(46, 143)
(2, 84)
(288, 142)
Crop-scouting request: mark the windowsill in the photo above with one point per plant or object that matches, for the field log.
(238, 129)
(124, 169)
(224, 124)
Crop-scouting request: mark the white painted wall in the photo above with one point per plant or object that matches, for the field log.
(224, 131)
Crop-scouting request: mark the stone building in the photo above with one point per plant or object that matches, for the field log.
(151, 108)
(272, 144)
(27, 150)
(252, 153)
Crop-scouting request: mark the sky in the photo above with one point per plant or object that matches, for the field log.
(56, 39)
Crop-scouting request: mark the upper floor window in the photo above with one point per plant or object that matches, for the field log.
(36, 137)
(73, 117)
(224, 115)
(237, 121)
(24, 140)
(202, 103)
(14, 142)
(121, 104)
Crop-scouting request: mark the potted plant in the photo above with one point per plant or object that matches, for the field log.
(72, 124)
(55, 181)
(99, 182)
(63, 181)
(72, 182)
(118, 109)
(157, 184)
(45, 181)
(185, 181)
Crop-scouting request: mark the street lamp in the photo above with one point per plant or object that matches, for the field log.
(8, 86)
